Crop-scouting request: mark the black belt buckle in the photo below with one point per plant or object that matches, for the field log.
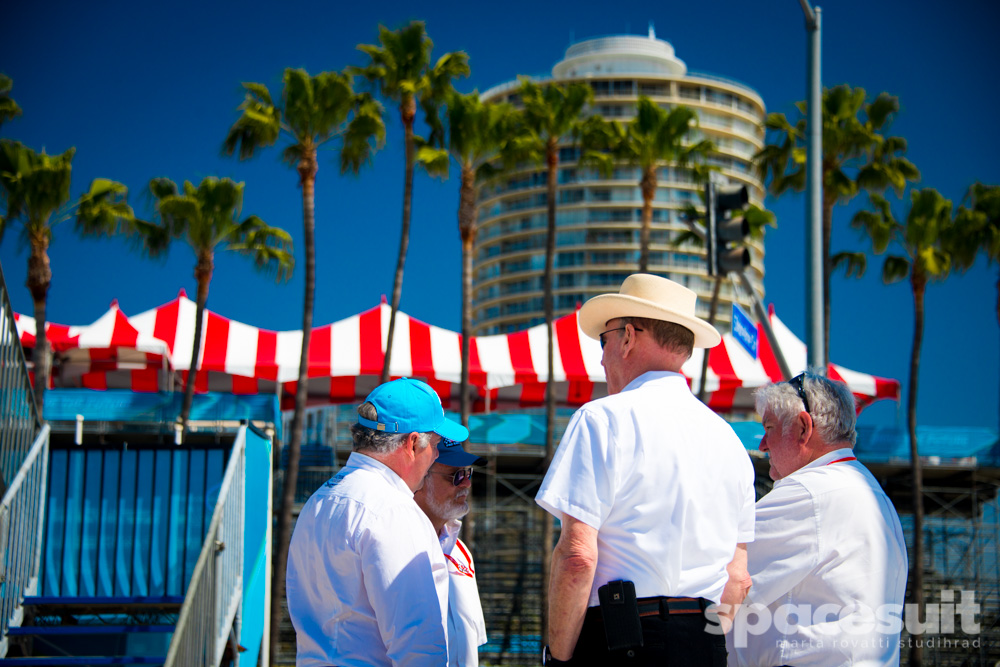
(620, 613)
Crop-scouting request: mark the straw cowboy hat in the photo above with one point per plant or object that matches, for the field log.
(643, 295)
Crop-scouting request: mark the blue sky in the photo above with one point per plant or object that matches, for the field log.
(149, 89)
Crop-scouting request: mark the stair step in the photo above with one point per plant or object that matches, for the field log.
(103, 605)
(56, 630)
(81, 661)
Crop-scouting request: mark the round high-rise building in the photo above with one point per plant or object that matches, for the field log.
(598, 216)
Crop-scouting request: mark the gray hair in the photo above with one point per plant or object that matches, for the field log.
(375, 441)
(831, 406)
(668, 335)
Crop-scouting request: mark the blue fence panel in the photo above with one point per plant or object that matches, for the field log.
(127, 522)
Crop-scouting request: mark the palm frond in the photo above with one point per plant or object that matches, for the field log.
(853, 264)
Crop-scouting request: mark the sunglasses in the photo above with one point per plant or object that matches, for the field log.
(600, 337)
(797, 383)
(458, 477)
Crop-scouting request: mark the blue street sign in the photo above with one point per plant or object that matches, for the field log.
(744, 331)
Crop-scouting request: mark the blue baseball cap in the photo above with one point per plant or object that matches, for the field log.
(450, 453)
(411, 406)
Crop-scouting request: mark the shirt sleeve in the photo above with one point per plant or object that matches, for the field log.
(405, 577)
(786, 546)
(580, 480)
(748, 514)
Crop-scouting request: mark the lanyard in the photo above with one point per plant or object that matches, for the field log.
(846, 458)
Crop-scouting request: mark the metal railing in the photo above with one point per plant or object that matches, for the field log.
(19, 418)
(213, 597)
(22, 516)
(24, 457)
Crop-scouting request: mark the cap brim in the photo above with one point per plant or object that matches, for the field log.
(450, 430)
(458, 457)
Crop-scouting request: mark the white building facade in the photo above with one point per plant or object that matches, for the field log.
(598, 217)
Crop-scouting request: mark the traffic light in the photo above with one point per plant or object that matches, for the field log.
(726, 229)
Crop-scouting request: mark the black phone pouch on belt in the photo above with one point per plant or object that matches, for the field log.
(620, 613)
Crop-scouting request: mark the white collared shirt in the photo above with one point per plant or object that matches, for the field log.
(367, 582)
(466, 625)
(664, 480)
(826, 535)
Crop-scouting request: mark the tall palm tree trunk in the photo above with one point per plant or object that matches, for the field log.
(713, 308)
(548, 527)
(307, 169)
(919, 283)
(39, 280)
(203, 276)
(408, 112)
(467, 228)
(648, 187)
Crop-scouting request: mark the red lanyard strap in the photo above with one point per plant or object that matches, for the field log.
(846, 458)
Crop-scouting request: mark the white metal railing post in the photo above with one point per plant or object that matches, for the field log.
(214, 593)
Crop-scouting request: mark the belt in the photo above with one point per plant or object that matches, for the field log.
(661, 606)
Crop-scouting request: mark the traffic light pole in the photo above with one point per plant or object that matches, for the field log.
(765, 322)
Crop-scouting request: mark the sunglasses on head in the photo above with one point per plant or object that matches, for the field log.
(797, 383)
(600, 336)
(458, 476)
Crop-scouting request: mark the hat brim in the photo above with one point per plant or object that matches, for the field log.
(450, 430)
(595, 314)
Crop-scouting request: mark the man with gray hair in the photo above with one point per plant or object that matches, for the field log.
(828, 562)
(367, 582)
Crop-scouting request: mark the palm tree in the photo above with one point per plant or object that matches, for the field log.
(477, 135)
(926, 253)
(8, 107)
(550, 112)
(857, 155)
(313, 110)
(207, 216)
(36, 187)
(400, 69)
(983, 215)
(654, 137)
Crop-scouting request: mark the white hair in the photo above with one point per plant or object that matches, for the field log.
(831, 406)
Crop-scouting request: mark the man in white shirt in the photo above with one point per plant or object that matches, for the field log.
(367, 583)
(444, 498)
(652, 488)
(828, 563)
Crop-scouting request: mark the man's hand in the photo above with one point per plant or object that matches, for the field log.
(736, 588)
(574, 562)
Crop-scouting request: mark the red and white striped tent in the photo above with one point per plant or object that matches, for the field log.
(108, 353)
(345, 359)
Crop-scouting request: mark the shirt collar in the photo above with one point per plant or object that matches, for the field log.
(650, 377)
(449, 535)
(360, 461)
(827, 458)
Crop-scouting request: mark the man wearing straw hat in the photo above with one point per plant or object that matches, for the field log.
(654, 492)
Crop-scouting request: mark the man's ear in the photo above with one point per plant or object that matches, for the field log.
(412, 445)
(628, 340)
(804, 427)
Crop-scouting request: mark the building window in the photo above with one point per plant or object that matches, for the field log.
(624, 87)
(690, 92)
(652, 89)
